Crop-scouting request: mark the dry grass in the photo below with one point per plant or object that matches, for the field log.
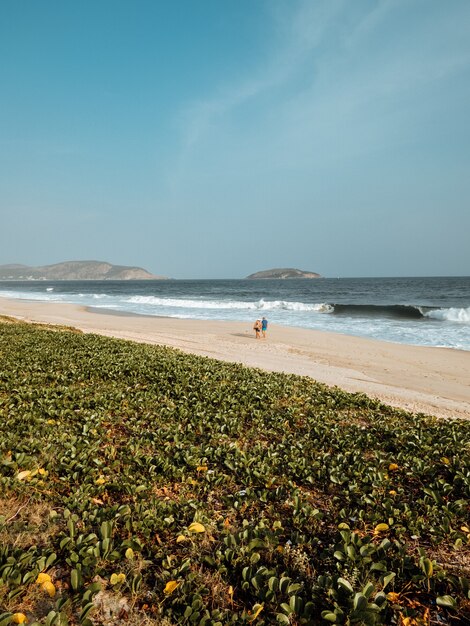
(455, 562)
(219, 593)
(137, 618)
(114, 609)
(25, 523)
(34, 602)
(6, 319)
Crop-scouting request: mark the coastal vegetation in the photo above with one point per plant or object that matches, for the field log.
(141, 485)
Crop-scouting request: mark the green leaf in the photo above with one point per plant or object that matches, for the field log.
(256, 543)
(368, 590)
(427, 567)
(360, 602)
(446, 601)
(5, 619)
(86, 609)
(345, 584)
(294, 587)
(388, 579)
(75, 579)
(286, 608)
(296, 604)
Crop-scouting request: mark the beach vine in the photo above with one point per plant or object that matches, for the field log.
(141, 485)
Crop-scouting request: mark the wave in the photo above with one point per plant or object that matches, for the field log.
(378, 310)
(187, 307)
(450, 315)
(259, 305)
(393, 311)
(403, 311)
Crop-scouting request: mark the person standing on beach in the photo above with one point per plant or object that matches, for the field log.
(264, 327)
(257, 329)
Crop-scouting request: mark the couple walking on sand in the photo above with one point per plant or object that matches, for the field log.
(260, 328)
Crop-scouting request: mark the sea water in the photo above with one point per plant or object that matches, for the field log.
(420, 311)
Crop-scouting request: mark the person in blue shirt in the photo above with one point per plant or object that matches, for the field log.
(264, 327)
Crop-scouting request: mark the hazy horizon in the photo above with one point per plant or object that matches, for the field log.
(214, 140)
(230, 277)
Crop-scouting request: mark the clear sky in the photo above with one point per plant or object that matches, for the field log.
(215, 138)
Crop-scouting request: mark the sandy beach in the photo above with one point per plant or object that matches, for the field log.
(434, 381)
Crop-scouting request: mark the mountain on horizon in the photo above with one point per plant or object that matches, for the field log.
(284, 273)
(76, 270)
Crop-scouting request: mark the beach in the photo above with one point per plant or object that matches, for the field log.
(433, 381)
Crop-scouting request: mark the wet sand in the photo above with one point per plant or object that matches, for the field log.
(435, 381)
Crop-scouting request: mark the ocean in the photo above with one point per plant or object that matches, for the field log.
(419, 311)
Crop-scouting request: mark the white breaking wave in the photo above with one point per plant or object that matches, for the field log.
(450, 315)
(260, 305)
(43, 297)
(95, 296)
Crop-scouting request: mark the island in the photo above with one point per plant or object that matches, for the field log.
(76, 270)
(283, 273)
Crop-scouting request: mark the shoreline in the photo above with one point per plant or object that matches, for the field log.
(420, 379)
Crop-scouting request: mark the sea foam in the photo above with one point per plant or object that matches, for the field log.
(461, 316)
(259, 305)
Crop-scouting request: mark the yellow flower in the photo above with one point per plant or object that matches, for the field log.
(19, 618)
(116, 579)
(392, 467)
(43, 578)
(48, 588)
(170, 587)
(196, 527)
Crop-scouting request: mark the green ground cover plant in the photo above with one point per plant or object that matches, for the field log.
(141, 485)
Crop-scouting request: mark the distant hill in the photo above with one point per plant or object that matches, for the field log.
(75, 270)
(284, 273)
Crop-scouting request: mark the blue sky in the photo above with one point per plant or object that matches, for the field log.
(210, 139)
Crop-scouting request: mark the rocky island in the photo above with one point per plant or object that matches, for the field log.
(284, 273)
(76, 270)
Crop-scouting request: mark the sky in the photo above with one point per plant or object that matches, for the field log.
(213, 139)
